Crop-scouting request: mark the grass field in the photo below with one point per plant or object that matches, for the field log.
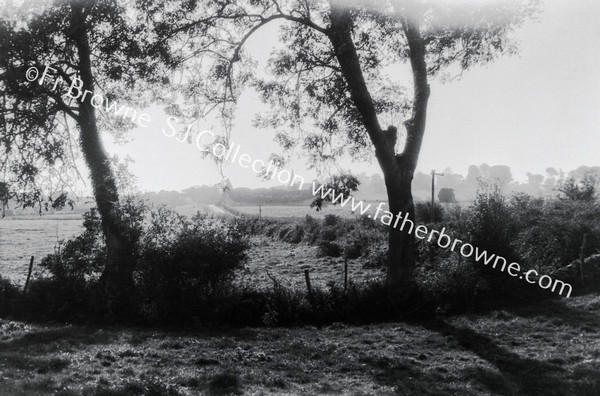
(298, 211)
(552, 348)
(23, 237)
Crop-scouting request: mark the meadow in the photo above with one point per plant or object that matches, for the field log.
(549, 348)
(25, 236)
(294, 211)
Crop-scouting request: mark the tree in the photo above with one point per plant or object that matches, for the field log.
(473, 176)
(327, 86)
(579, 190)
(4, 196)
(62, 65)
(501, 175)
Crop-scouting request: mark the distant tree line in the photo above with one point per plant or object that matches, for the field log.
(451, 186)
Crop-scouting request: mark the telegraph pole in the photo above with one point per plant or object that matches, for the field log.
(433, 175)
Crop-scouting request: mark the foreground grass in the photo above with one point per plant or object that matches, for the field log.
(552, 348)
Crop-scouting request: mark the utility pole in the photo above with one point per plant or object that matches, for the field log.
(433, 175)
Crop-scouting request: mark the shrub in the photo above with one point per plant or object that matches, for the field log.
(555, 231)
(181, 265)
(186, 263)
(377, 259)
(292, 233)
(63, 299)
(9, 297)
(295, 235)
(311, 229)
(363, 237)
(353, 249)
(490, 224)
(450, 284)
(331, 220)
(82, 257)
(328, 234)
(330, 249)
(423, 212)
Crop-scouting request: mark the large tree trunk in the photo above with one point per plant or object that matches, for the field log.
(117, 278)
(401, 247)
(398, 169)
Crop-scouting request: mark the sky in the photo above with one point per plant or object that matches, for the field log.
(538, 109)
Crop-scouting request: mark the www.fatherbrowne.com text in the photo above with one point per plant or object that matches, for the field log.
(444, 240)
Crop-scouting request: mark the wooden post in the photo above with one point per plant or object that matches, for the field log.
(433, 175)
(308, 286)
(581, 258)
(28, 274)
(345, 274)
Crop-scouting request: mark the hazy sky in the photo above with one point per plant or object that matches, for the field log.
(538, 109)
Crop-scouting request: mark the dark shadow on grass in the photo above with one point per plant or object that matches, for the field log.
(519, 375)
(405, 376)
(35, 350)
(65, 337)
(562, 313)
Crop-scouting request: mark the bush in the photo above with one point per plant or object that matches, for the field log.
(353, 249)
(82, 257)
(181, 265)
(330, 249)
(311, 229)
(331, 220)
(9, 297)
(555, 231)
(364, 237)
(63, 300)
(292, 233)
(187, 263)
(328, 234)
(423, 212)
(451, 284)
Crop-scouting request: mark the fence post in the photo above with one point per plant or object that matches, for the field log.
(308, 286)
(28, 274)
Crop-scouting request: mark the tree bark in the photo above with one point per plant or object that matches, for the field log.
(398, 169)
(117, 276)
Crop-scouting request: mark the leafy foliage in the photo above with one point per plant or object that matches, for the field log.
(555, 231)
(423, 212)
(38, 147)
(344, 183)
(579, 190)
(187, 260)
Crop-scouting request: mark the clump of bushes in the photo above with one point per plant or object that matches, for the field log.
(335, 236)
(555, 233)
(186, 262)
(181, 265)
(543, 234)
(423, 212)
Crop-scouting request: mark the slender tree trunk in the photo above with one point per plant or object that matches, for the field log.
(116, 279)
(398, 169)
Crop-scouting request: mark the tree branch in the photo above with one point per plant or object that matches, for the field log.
(415, 126)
